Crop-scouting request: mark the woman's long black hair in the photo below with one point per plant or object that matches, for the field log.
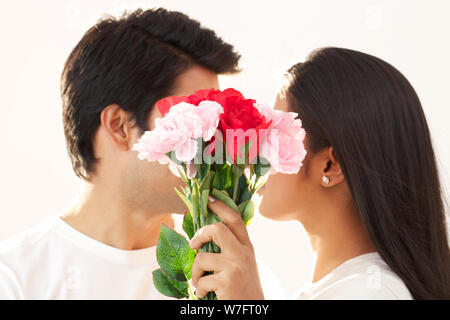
(372, 117)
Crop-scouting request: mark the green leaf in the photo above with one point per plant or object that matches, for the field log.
(204, 202)
(228, 180)
(207, 169)
(168, 286)
(186, 201)
(174, 254)
(218, 181)
(213, 175)
(195, 202)
(206, 182)
(244, 190)
(260, 182)
(182, 174)
(225, 198)
(262, 167)
(243, 205)
(247, 213)
(238, 171)
(188, 225)
(216, 248)
(243, 160)
(222, 178)
(212, 218)
(186, 191)
(226, 171)
(237, 175)
(199, 170)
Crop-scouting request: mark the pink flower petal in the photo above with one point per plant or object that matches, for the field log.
(283, 146)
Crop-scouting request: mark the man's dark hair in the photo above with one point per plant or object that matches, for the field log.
(132, 61)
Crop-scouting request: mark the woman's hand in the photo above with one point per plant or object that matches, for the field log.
(235, 274)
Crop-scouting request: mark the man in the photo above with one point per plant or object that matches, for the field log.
(104, 247)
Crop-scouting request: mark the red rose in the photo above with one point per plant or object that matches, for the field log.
(240, 113)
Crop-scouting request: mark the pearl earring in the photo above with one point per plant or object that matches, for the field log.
(325, 179)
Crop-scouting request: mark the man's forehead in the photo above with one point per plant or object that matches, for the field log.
(194, 79)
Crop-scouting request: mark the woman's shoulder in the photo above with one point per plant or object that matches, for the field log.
(366, 287)
(366, 277)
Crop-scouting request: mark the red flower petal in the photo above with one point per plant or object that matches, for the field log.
(165, 104)
(233, 92)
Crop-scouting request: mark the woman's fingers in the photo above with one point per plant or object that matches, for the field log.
(207, 284)
(204, 262)
(231, 218)
(234, 261)
(217, 232)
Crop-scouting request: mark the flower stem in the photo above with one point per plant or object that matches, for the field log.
(237, 175)
(191, 294)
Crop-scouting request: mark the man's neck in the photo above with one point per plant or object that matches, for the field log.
(103, 215)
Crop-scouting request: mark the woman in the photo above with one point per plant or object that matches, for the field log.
(368, 194)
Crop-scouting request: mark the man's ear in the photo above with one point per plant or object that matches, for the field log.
(332, 170)
(116, 123)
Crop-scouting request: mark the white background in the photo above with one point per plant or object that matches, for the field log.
(36, 37)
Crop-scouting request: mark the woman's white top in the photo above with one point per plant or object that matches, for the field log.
(365, 277)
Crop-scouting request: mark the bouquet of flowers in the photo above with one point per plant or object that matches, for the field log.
(221, 145)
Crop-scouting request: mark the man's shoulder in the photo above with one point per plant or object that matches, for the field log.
(18, 255)
(26, 242)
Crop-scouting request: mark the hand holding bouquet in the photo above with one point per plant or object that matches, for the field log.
(221, 145)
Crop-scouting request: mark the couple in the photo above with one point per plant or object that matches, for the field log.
(368, 194)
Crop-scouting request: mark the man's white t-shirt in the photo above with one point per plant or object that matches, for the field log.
(365, 277)
(55, 261)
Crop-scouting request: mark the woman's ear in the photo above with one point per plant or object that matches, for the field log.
(332, 173)
(116, 123)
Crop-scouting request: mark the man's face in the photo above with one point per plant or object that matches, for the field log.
(146, 181)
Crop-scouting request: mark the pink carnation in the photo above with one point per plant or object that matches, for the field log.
(178, 131)
(209, 112)
(283, 146)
